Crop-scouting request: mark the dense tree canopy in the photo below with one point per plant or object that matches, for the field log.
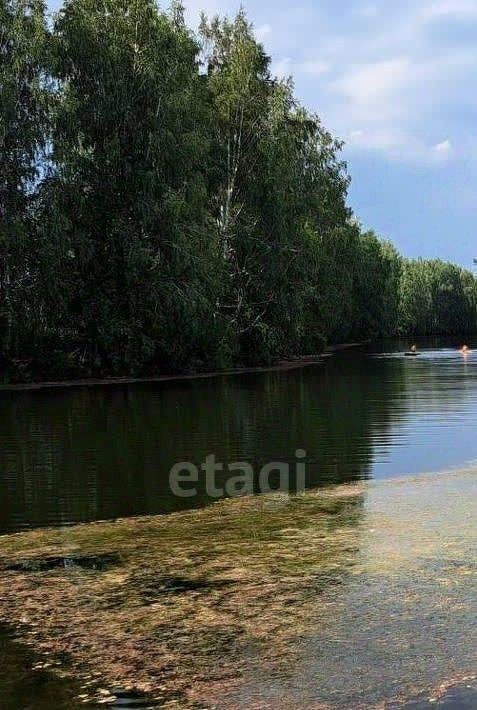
(167, 204)
(24, 133)
(437, 298)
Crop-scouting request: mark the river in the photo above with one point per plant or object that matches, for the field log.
(365, 415)
(84, 454)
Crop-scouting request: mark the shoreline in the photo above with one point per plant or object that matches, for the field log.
(280, 366)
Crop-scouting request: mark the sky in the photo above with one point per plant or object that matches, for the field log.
(396, 81)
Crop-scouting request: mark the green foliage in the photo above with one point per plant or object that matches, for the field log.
(376, 287)
(131, 146)
(23, 137)
(167, 204)
(437, 298)
(279, 202)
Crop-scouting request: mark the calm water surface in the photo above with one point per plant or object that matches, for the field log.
(92, 453)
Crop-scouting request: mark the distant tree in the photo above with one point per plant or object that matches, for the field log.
(376, 287)
(437, 298)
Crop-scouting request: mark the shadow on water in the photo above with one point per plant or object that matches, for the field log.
(26, 684)
(22, 688)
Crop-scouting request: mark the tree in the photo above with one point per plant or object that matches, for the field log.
(279, 199)
(167, 204)
(131, 146)
(376, 287)
(437, 298)
(23, 139)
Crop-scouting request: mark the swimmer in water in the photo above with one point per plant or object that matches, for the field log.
(414, 348)
(465, 350)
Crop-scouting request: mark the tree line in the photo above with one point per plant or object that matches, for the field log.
(167, 204)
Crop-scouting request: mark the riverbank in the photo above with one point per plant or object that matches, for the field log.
(354, 595)
(282, 365)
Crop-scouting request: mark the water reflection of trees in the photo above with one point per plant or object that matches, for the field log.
(92, 453)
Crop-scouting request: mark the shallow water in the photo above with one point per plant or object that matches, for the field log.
(402, 620)
(345, 598)
(84, 454)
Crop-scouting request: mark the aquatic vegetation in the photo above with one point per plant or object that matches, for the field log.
(335, 596)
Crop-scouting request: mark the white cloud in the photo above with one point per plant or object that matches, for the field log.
(395, 103)
(286, 67)
(395, 143)
(398, 84)
(373, 82)
(283, 68)
(262, 32)
(315, 68)
(194, 9)
(443, 151)
(444, 148)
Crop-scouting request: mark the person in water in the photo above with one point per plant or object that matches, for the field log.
(414, 349)
(465, 350)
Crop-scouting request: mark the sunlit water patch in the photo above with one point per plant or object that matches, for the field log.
(403, 621)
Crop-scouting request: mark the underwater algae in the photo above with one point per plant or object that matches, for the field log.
(351, 596)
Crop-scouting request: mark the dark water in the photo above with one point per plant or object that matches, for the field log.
(93, 453)
(21, 688)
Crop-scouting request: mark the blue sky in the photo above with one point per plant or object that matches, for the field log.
(397, 82)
